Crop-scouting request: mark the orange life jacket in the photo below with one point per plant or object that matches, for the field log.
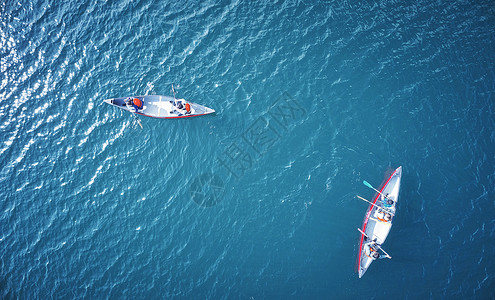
(138, 103)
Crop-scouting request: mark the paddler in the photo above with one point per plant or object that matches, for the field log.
(383, 216)
(135, 103)
(372, 251)
(183, 107)
(387, 202)
(179, 104)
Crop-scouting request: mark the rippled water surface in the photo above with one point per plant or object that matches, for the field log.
(256, 201)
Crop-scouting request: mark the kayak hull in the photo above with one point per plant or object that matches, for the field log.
(161, 107)
(374, 225)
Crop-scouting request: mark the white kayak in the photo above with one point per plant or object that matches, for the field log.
(163, 107)
(378, 221)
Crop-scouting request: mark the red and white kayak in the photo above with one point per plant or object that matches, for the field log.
(378, 221)
(163, 107)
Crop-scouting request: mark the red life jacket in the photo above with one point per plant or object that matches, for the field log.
(138, 103)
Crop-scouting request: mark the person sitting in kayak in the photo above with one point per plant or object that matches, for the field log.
(387, 202)
(134, 103)
(183, 107)
(383, 216)
(372, 251)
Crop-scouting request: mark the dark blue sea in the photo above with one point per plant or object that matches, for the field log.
(258, 200)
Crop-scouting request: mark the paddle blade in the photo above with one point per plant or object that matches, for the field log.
(173, 90)
(366, 183)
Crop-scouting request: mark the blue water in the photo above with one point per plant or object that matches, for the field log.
(256, 201)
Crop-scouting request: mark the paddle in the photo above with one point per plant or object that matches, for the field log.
(366, 183)
(362, 232)
(375, 205)
(138, 121)
(135, 118)
(173, 91)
